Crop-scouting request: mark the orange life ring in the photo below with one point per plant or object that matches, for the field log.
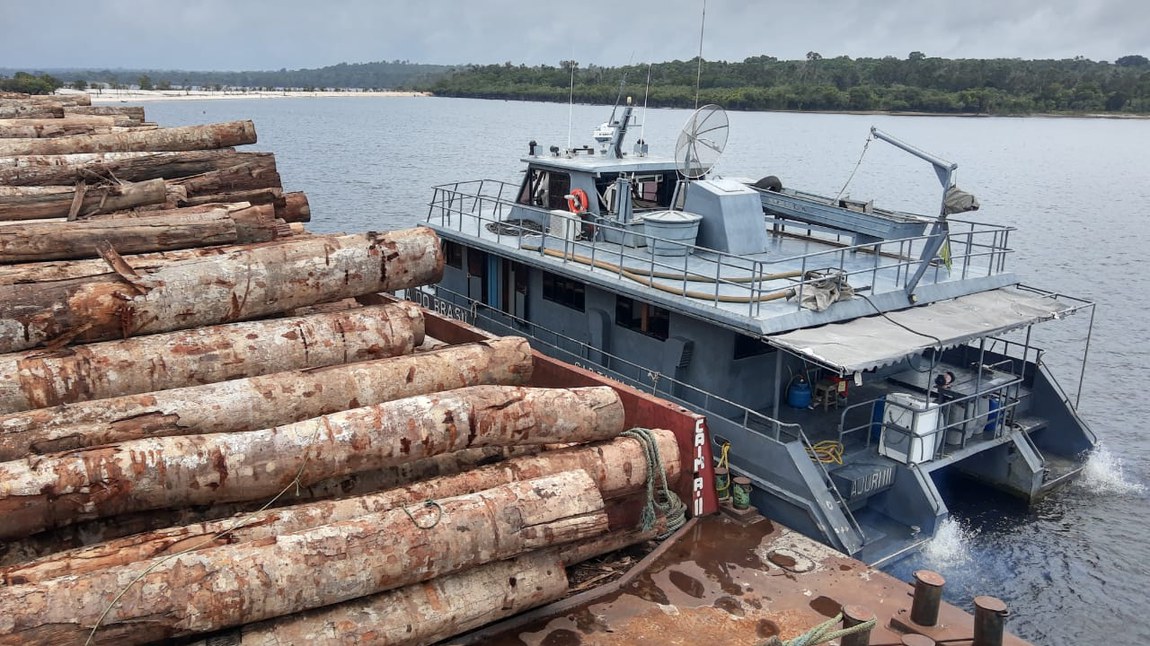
(577, 201)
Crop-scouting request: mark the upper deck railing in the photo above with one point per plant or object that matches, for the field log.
(483, 208)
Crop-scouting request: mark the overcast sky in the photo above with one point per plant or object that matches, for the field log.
(270, 34)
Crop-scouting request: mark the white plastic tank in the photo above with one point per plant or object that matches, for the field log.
(671, 233)
(917, 416)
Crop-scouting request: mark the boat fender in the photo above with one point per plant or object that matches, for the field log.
(577, 201)
(769, 183)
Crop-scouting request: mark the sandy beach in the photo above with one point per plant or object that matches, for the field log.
(134, 96)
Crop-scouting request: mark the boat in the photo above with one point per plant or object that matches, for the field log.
(849, 359)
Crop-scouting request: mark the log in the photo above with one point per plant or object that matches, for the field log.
(134, 114)
(78, 125)
(31, 111)
(60, 240)
(247, 283)
(39, 202)
(156, 473)
(271, 400)
(51, 271)
(89, 532)
(258, 173)
(296, 207)
(47, 99)
(49, 170)
(421, 613)
(219, 135)
(252, 223)
(618, 467)
(205, 355)
(236, 584)
(268, 195)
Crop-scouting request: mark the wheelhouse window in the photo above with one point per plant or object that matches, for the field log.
(545, 189)
(642, 317)
(749, 346)
(564, 291)
(453, 254)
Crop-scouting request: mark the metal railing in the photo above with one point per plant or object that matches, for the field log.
(480, 206)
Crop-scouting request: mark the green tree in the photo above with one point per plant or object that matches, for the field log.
(145, 82)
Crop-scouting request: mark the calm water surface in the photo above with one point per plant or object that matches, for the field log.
(1075, 568)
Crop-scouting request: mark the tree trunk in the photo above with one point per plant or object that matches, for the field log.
(261, 402)
(61, 239)
(618, 467)
(76, 125)
(155, 473)
(54, 271)
(269, 195)
(296, 208)
(98, 530)
(205, 355)
(421, 613)
(133, 114)
(247, 283)
(252, 223)
(40, 202)
(236, 584)
(55, 170)
(31, 111)
(259, 173)
(219, 135)
(47, 99)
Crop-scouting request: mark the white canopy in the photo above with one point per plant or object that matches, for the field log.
(876, 341)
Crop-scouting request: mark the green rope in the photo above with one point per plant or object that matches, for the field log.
(427, 503)
(661, 499)
(822, 633)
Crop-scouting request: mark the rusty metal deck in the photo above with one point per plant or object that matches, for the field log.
(725, 582)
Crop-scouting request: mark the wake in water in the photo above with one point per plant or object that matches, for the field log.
(950, 546)
(1104, 474)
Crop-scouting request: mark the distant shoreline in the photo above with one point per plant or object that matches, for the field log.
(134, 96)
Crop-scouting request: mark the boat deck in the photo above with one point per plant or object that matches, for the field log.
(766, 286)
(729, 581)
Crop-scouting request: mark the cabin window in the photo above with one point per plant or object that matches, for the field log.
(453, 254)
(545, 189)
(642, 317)
(566, 292)
(749, 346)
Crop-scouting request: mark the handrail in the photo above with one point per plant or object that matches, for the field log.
(830, 485)
(487, 202)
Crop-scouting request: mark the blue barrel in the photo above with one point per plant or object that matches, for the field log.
(799, 395)
(876, 419)
(993, 404)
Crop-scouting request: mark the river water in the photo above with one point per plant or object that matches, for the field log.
(1074, 568)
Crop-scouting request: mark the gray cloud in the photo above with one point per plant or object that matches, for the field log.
(270, 34)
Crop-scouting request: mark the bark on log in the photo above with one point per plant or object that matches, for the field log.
(61, 240)
(76, 125)
(258, 173)
(269, 195)
(39, 202)
(271, 400)
(31, 111)
(245, 284)
(213, 589)
(52, 271)
(421, 613)
(156, 473)
(133, 114)
(95, 531)
(47, 99)
(296, 208)
(55, 170)
(219, 135)
(205, 355)
(252, 223)
(618, 467)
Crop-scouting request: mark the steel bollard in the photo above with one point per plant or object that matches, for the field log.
(989, 620)
(927, 597)
(853, 616)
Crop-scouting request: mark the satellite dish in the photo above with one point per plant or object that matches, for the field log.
(701, 142)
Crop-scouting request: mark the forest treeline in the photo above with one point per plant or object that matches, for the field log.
(915, 84)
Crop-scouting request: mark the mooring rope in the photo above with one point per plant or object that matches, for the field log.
(822, 633)
(660, 499)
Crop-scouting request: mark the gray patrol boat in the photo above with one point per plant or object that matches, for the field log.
(849, 359)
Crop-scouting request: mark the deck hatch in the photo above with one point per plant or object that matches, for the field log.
(875, 341)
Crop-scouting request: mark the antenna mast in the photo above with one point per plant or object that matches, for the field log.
(699, 72)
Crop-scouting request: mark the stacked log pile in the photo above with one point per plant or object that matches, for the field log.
(192, 440)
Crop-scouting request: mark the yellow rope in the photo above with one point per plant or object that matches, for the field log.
(827, 452)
